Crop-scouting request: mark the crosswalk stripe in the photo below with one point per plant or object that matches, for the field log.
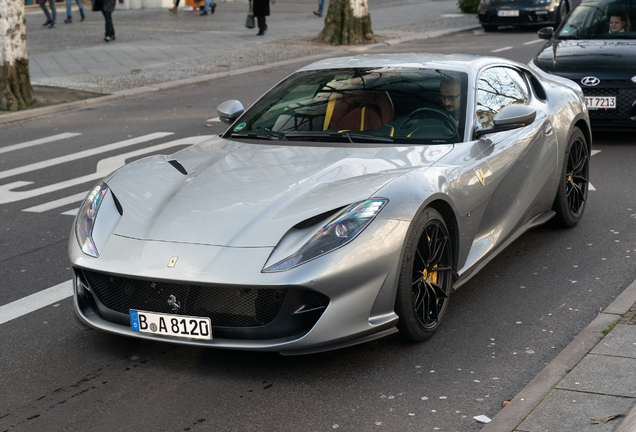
(35, 301)
(82, 154)
(70, 212)
(38, 142)
(534, 41)
(57, 203)
(104, 167)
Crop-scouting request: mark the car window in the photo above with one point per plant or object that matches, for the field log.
(499, 87)
(601, 19)
(401, 105)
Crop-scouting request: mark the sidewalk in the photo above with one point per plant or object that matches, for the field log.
(592, 380)
(155, 46)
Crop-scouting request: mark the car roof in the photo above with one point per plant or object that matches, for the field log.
(455, 62)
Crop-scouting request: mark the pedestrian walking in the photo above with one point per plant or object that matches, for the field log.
(318, 13)
(261, 10)
(69, 13)
(196, 5)
(107, 7)
(175, 8)
(50, 17)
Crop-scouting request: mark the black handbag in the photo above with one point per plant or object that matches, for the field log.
(249, 21)
(98, 5)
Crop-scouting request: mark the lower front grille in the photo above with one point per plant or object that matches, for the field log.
(226, 306)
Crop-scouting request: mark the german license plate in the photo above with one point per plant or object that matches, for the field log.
(508, 13)
(600, 102)
(171, 325)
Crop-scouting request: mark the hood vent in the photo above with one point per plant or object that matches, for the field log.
(178, 166)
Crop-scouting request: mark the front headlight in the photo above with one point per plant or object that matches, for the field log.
(85, 221)
(340, 231)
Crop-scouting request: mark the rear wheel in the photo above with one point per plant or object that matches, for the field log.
(426, 278)
(489, 28)
(569, 203)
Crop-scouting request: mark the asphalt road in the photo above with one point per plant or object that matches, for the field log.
(502, 328)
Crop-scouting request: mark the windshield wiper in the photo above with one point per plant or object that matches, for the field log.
(254, 135)
(348, 135)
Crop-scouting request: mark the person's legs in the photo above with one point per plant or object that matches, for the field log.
(53, 12)
(262, 25)
(80, 5)
(175, 8)
(69, 14)
(110, 31)
(321, 6)
(46, 12)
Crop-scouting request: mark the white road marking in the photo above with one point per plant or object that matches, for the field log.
(534, 41)
(35, 301)
(454, 15)
(71, 212)
(589, 185)
(82, 154)
(38, 142)
(215, 119)
(502, 49)
(57, 203)
(104, 167)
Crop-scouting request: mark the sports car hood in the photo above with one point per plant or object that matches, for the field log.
(604, 59)
(229, 193)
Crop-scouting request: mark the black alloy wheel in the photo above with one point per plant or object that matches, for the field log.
(569, 203)
(426, 278)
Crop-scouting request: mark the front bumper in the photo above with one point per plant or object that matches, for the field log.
(339, 299)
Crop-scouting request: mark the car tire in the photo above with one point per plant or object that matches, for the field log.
(489, 28)
(571, 196)
(422, 296)
(564, 9)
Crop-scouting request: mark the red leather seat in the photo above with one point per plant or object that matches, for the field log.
(359, 110)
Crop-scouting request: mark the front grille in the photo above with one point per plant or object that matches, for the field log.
(624, 101)
(232, 306)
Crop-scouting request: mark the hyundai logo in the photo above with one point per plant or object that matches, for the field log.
(590, 81)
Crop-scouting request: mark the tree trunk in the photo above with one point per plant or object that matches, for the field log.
(15, 84)
(347, 23)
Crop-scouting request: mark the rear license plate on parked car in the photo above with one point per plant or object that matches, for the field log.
(600, 102)
(508, 13)
(171, 325)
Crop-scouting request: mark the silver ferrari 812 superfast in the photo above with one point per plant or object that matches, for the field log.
(344, 205)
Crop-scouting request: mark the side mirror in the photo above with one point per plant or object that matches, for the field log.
(510, 117)
(229, 111)
(546, 33)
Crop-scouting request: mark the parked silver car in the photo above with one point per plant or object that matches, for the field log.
(345, 205)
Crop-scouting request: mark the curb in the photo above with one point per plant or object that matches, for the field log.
(27, 114)
(538, 389)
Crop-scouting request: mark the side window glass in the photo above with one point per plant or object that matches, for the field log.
(497, 89)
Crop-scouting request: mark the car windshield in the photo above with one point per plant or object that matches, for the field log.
(361, 105)
(600, 19)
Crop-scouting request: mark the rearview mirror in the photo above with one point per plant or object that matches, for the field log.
(510, 117)
(546, 33)
(229, 111)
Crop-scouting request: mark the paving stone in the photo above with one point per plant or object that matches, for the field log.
(569, 411)
(604, 375)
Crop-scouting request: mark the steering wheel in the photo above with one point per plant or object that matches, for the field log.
(422, 113)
